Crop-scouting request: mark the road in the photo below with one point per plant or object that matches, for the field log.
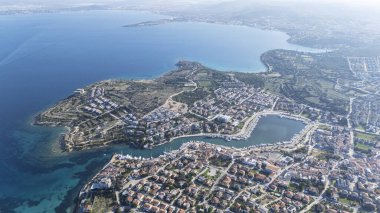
(351, 151)
(224, 172)
(320, 197)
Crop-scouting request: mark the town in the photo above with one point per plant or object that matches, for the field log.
(331, 165)
(317, 173)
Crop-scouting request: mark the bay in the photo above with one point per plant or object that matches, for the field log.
(45, 57)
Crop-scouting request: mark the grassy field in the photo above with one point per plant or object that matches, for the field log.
(368, 137)
(324, 127)
(362, 147)
(348, 202)
(101, 204)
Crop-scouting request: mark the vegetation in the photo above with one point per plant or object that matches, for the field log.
(348, 202)
(366, 136)
(309, 78)
(326, 156)
(190, 97)
(362, 147)
(102, 204)
(324, 127)
(219, 162)
(249, 78)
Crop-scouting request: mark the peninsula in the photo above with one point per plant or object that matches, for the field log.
(332, 164)
(192, 100)
(196, 100)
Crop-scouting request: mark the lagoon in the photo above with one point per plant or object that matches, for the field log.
(45, 57)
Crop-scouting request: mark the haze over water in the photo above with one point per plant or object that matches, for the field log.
(45, 57)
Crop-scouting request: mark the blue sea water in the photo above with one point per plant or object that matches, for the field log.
(45, 57)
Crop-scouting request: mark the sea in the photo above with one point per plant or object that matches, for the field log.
(44, 57)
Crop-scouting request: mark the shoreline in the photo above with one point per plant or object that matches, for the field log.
(248, 128)
(170, 19)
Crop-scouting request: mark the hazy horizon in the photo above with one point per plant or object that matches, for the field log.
(363, 3)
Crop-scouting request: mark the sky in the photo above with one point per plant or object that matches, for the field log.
(354, 4)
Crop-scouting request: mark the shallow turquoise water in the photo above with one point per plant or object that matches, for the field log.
(44, 57)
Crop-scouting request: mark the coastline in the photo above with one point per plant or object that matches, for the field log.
(88, 174)
(247, 131)
(250, 126)
(170, 19)
(179, 19)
